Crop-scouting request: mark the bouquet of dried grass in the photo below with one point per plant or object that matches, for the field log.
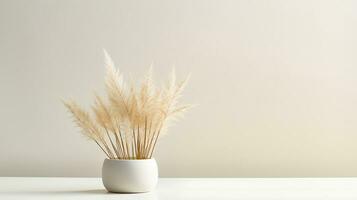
(128, 124)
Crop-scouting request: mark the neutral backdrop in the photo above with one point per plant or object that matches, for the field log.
(275, 83)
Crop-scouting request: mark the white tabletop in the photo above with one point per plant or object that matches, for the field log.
(188, 188)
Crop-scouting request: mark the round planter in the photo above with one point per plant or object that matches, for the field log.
(129, 176)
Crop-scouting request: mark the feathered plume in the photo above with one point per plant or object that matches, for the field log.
(129, 123)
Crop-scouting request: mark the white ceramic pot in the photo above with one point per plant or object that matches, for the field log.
(129, 176)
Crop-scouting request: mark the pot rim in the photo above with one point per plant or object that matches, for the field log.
(128, 160)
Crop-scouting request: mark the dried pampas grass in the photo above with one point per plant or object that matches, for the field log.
(129, 122)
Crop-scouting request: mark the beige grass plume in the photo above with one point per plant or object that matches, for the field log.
(128, 123)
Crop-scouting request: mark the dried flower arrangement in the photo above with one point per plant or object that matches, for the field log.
(129, 123)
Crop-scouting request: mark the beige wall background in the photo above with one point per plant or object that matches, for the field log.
(275, 83)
